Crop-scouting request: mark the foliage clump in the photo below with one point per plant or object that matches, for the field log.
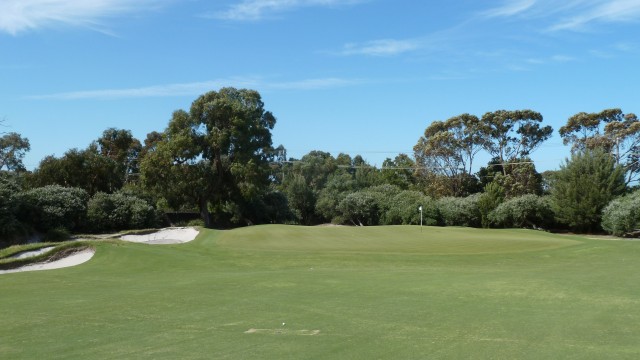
(527, 211)
(120, 211)
(622, 215)
(460, 211)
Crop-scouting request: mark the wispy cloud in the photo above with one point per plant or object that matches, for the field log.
(570, 14)
(510, 8)
(383, 47)
(252, 10)
(196, 88)
(602, 11)
(22, 15)
(314, 84)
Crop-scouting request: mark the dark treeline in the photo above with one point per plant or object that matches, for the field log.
(217, 160)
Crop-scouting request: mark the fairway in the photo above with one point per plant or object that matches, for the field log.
(291, 292)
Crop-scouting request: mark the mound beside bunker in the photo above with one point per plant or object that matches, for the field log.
(164, 236)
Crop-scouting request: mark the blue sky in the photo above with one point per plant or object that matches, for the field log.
(356, 76)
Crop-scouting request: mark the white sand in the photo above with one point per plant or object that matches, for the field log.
(71, 260)
(164, 236)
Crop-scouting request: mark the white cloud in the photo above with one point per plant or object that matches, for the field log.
(197, 88)
(510, 8)
(569, 14)
(384, 47)
(257, 9)
(22, 15)
(601, 11)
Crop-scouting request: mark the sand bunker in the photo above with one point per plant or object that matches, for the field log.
(71, 260)
(164, 236)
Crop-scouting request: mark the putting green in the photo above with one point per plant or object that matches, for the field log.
(390, 239)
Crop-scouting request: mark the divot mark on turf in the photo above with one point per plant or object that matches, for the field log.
(283, 332)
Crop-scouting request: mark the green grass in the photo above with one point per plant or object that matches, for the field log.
(371, 293)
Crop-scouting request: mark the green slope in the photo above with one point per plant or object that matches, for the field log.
(344, 293)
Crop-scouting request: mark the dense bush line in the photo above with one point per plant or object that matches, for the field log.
(217, 160)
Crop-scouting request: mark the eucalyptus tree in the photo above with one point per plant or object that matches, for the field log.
(510, 135)
(448, 148)
(13, 148)
(215, 157)
(611, 130)
(120, 146)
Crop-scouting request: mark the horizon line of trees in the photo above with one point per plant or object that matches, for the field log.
(217, 159)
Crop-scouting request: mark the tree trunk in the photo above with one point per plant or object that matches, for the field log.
(204, 212)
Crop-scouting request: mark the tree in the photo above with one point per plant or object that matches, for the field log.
(583, 186)
(10, 204)
(512, 135)
(610, 130)
(123, 148)
(447, 149)
(398, 171)
(521, 178)
(13, 148)
(492, 197)
(216, 156)
(302, 199)
(86, 169)
(339, 185)
(307, 178)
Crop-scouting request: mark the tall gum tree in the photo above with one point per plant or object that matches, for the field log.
(513, 134)
(13, 148)
(216, 156)
(610, 130)
(448, 148)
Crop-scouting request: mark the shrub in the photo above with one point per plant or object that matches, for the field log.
(119, 211)
(523, 211)
(359, 208)
(460, 211)
(55, 206)
(622, 216)
(402, 209)
(57, 234)
(196, 222)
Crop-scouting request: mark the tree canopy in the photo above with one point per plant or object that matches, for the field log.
(512, 135)
(611, 130)
(216, 156)
(13, 148)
